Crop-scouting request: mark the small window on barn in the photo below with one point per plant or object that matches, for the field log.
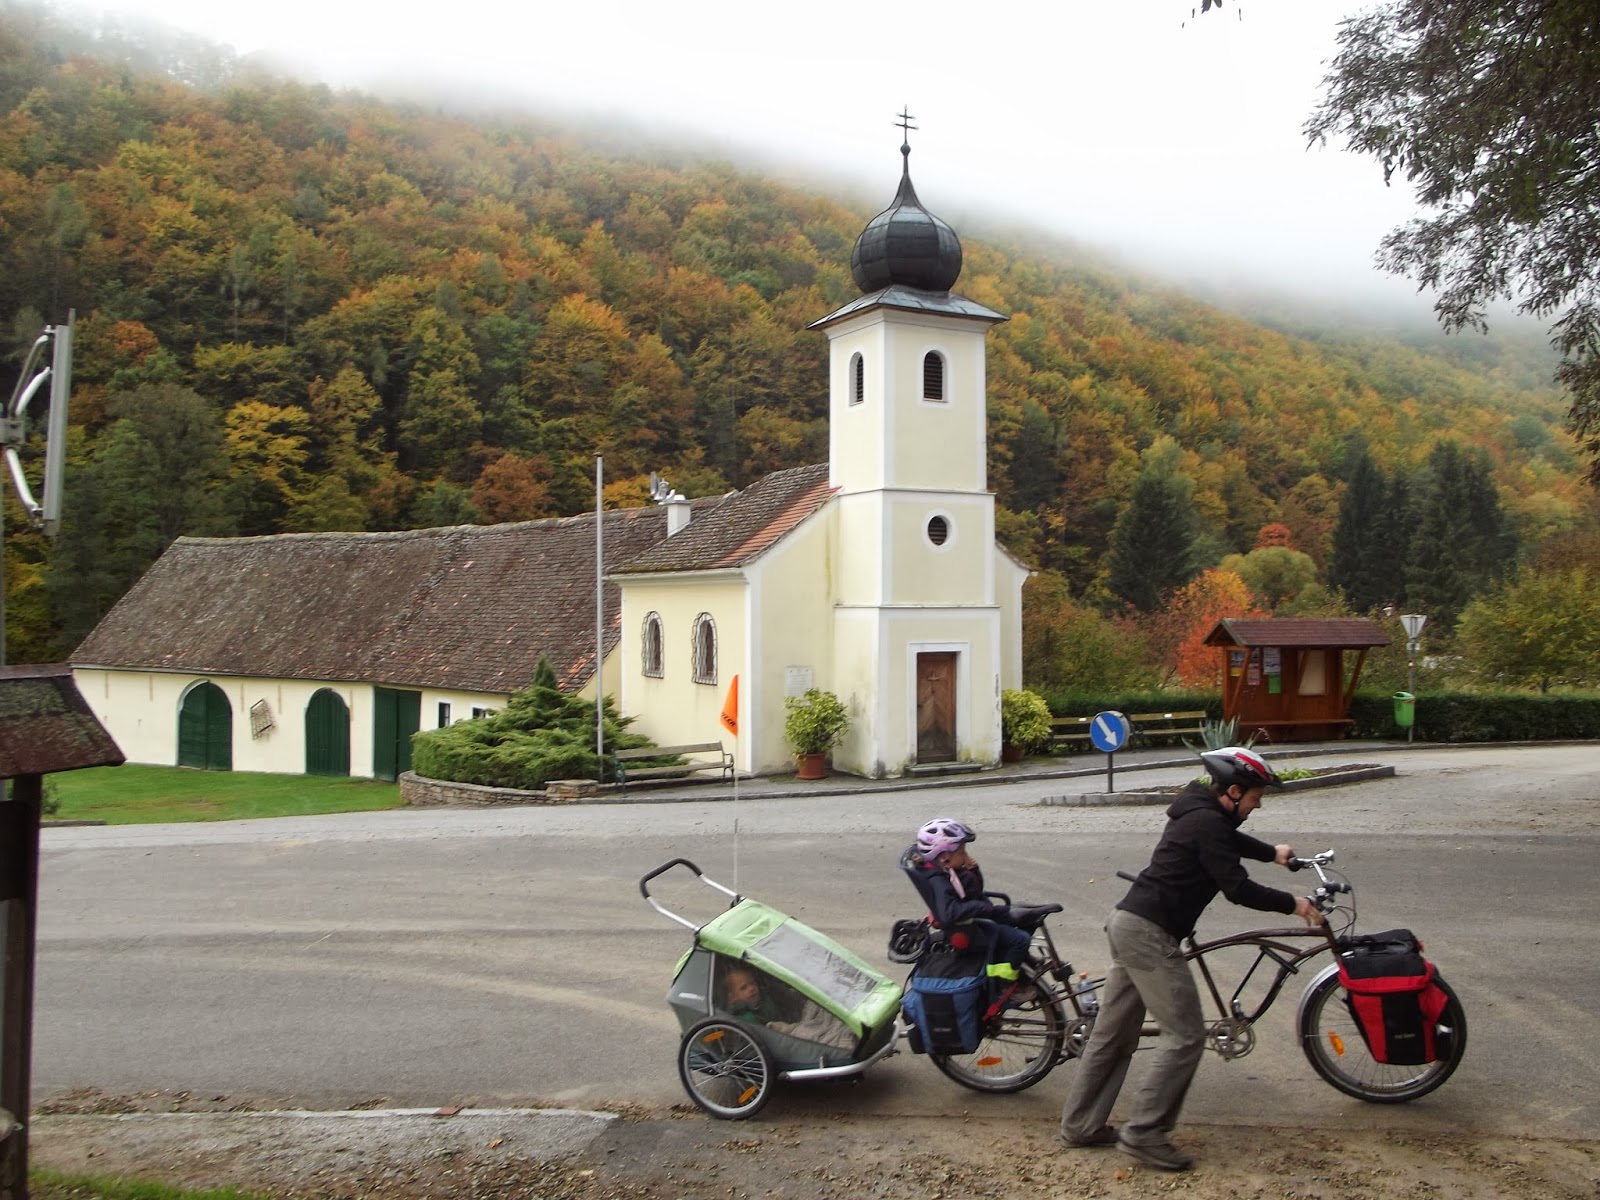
(444, 713)
(705, 649)
(858, 379)
(652, 646)
(933, 376)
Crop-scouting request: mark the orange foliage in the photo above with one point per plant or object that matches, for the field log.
(1275, 535)
(1194, 612)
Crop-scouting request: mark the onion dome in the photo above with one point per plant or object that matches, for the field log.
(906, 244)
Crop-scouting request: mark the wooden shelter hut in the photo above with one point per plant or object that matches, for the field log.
(1288, 679)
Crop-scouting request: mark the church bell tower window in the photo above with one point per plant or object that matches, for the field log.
(858, 379)
(933, 376)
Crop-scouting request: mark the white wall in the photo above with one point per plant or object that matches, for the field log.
(140, 711)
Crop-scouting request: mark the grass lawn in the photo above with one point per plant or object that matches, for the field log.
(54, 1185)
(130, 795)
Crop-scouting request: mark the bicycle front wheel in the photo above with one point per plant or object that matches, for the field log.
(1020, 1044)
(1336, 1050)
(726, 1069)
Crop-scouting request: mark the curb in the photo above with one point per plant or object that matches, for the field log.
(1352, 774)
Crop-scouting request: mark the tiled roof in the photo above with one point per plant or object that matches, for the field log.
(467, 607)
(741, 526)
(1297, 631)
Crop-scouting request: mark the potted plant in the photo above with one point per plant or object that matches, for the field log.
(814, 724)
(1024, 724)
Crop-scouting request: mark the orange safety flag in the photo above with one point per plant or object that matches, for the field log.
(730, 708)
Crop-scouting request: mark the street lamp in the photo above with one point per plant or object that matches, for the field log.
(1413, 623)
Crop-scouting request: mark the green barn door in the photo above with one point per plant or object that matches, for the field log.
(205, 729)
(396, 716)
(327, 734)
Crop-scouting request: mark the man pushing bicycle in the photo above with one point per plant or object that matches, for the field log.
(1199, 855)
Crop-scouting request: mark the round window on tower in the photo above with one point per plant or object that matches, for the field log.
(938, 530)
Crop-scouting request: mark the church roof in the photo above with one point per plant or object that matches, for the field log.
(911, 300)
(468, 607)
(743, 525)
(906, 244)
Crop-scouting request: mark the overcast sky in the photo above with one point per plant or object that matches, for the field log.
(1130, 125)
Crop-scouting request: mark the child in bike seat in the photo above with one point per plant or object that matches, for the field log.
(745, 999)
(951, 884)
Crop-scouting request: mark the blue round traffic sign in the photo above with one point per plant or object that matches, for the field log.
(1108, 732)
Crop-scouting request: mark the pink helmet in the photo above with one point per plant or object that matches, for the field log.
(941, 835)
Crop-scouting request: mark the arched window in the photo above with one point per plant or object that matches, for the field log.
(705, 649)
(652, 645)
(933, 376)
(858, 379)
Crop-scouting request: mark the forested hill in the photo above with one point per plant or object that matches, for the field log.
(301, 310)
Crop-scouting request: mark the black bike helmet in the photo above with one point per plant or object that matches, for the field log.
(1239, 765)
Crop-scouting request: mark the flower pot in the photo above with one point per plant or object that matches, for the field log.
(810, 766)
(1011, 752)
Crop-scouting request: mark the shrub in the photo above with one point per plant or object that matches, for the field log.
(541, 734)
(1025, 720)
(815, 722)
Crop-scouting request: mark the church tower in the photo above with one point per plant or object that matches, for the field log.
(917, 623)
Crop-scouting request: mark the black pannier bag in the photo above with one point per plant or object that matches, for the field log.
(1393, 996)
(944, 1002)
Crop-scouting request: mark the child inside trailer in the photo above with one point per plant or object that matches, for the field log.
(750, 997)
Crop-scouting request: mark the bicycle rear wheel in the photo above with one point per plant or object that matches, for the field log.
(1020, 1044)
(1337, 1052)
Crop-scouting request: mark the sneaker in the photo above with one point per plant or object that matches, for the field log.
(1163, 1156)
(1106, 1135)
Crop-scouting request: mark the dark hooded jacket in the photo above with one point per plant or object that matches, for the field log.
(1197, 857)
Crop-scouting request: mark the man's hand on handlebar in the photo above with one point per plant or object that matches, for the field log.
(1307, 911)
(1285, 852)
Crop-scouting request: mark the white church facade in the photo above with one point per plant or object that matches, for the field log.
(875, 575)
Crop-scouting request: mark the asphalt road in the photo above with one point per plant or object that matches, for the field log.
(505, 957)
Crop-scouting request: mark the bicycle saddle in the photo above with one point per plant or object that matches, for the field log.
(1028, 917)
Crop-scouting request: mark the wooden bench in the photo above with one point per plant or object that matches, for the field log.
(1143, 726)
(626, 774)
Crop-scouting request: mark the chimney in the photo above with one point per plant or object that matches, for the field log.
(677, 505)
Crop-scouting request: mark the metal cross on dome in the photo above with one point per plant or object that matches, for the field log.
(903, 119)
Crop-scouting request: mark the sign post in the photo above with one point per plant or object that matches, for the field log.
(1108, 732)
(1413, 623)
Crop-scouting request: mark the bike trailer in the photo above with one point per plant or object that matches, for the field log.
(792, 959)
(1393, 998)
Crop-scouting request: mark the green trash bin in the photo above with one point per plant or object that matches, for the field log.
(1405, 709)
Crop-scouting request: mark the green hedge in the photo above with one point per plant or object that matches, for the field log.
(1440, 716)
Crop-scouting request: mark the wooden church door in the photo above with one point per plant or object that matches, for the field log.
(936, 706)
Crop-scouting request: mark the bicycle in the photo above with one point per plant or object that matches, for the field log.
(1046, 1016)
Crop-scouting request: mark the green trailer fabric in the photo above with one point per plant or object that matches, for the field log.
(811, 962)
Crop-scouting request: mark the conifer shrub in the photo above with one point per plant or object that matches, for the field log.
(541, 734)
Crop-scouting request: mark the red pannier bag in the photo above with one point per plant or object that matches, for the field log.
(1392, 995)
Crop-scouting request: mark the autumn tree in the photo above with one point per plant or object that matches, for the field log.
(1068, 647)
(1542, 629)
(1275, 574)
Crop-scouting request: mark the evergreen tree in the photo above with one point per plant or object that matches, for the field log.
(1463, 544)
(1356, 563)
(1153, 540)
